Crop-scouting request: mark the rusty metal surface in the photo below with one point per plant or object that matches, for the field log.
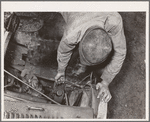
(39, 110)
(29, 24)
(25, 96)
(14, 54)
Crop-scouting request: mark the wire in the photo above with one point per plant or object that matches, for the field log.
(91, 76)
(84, 78)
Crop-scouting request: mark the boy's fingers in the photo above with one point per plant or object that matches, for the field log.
(100, 93)
(104, 96)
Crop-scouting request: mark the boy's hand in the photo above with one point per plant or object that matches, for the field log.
(60, 78)
(104, 92)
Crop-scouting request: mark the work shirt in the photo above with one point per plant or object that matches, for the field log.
(76, 25)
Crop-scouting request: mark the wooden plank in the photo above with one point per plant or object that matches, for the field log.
(102, 110)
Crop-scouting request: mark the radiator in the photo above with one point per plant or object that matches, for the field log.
(19, 109)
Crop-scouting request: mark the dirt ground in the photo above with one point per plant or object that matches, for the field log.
(128, 87)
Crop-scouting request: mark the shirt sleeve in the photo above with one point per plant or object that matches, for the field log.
(66, 46)
(114, 27)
